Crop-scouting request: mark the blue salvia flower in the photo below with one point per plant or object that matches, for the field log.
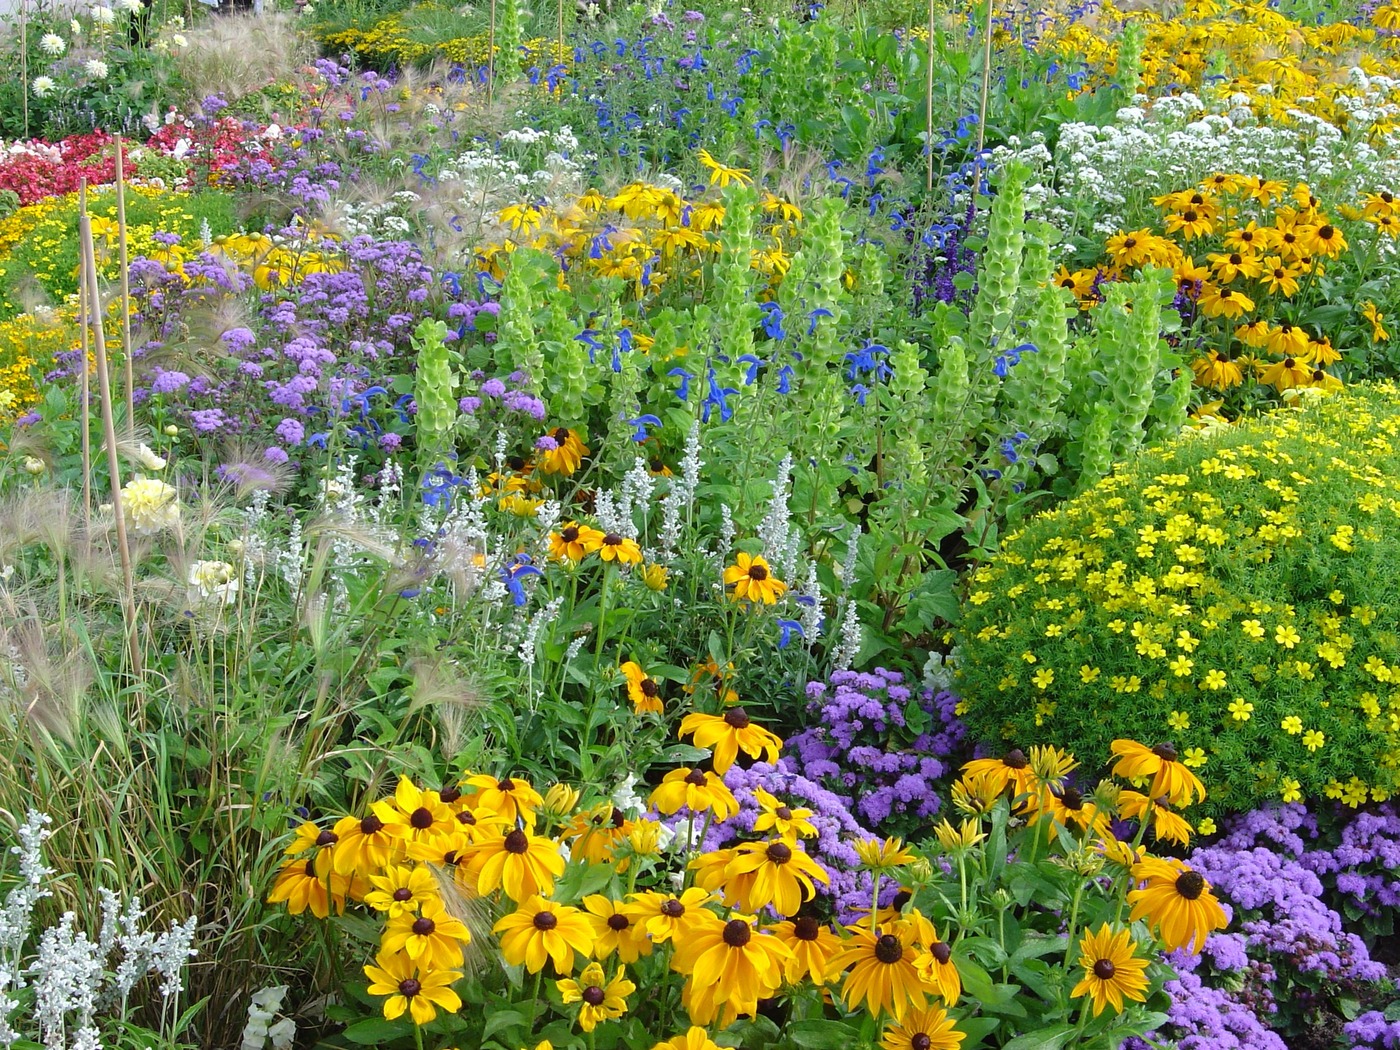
(785, 379)
(860, 392)
(589, 336)
(1009, 360)
(718, 397)
(773, 321)
(788, 629)
(820, 311)
(1008, 446)
(513, 576)
(754, 363)
(641, 423)
(683, 393)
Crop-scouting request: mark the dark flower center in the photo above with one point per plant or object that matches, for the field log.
(619, 818)
(736, 718)
(1130, 242)
(1190, 215)
(1317, 375)
(941, 952)
(648, 687)
(1190, 885)
(466, 817)
(1165, 752)
(1104, 970)
(672, 909)
(570, 534)
(901, 898)
(618, 923)
(737, 933)
(696, 777)
(424, 926)
(1280, 274)
(612, 539)
(545, 920)
(507, 785)
(1289, 362)
(403, 893)
(421, 818)
(409, 988)
(1247, 236)
(1068, 282)
(920, 1041)
(593, 995)
(450, 857)
(1196, 198)
(758, 572)
(1071, 799)
(327, 838)
(783, 813)
(1327, 232)
(806, 928)
(516, 463)
(1016, 759)
(888, 949)
(517, 842)
(371, 825)
(657, 464)
(1387, 196)
(1235, 259)
(779, 852)
(310, 870)
(561, 435)
(450, 794)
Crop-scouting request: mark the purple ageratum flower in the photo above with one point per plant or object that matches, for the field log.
(493, 388)
(273, 454)
(469, 405)
(390, 442)
(290, 431)
(519, 401)
(1372, 1031)
(545, 443)
(168, 382)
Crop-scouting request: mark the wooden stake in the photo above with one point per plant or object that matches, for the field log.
(986, 86)
(560, 55)
(24, 61)
(491, 56)
(126, 287)
(928, 98)
(109, 431)
(83, 392)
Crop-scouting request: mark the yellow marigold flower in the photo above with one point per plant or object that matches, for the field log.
(1194, 757)
(1292, 725)
(1214, 680)
(1043, 678)
(1241, 709)
(1112, 972)
(1286, 636)
(1314, 739)
(753, 580)
(1290, 789)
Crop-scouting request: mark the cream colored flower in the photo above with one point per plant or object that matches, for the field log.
(34, 465)
(52, 44)
(147, 457)
(150, 505)
(217, 580)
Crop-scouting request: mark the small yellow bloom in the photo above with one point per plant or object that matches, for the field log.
(1194, 757)
(1292, 725)
(1290, 789)
(1241, 709)
(1286, 636)
(1043, 678)
(1179, 720)
(1314, 739)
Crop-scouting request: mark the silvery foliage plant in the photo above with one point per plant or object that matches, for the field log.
(57, 983)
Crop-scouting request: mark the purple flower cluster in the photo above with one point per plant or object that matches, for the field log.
(1372, 1031)
(1206, 1017)
(878, 746)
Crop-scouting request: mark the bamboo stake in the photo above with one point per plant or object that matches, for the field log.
(560, 55)
(24, 61)
(928, 100)
(126, 287)
(83, 390)
(491, 56)
(109, 430)
(986, 86)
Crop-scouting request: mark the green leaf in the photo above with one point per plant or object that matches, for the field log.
(497, 1020)
(373, 1031)
(1045, 1039)
(821, 1035)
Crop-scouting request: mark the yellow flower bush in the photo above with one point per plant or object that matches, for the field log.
(1232, 593)
(393, 39)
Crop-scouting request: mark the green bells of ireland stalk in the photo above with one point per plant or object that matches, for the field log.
(434, 391)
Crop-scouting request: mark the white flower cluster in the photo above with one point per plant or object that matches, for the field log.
(262, 1028)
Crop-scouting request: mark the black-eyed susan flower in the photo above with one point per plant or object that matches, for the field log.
(1070, 808)
(302, 887)
(1278, 277)
(512, 797)
(665, 916)
(642, 689)
(541, 930)
(938, 971)
(929, 1028)
(1370, 313)
(753, 580)
(728, 734)
(420, 814)
(1190, 223)
(776, 873)
(1217, 301)
(365, 845)
(401, 890)
(574, 542)
(882, 975)
(959, 839)
(419, 991)
(1012, 770)
(619, 548)
(1169, 776)
(1177, 903)
(1167, 825)
(1322, 239)
(1229, 266)
(812, 945)
(1112, 973)
(1215, 371)
(696, 790)
(1285, 374)
(977, 793)
(602, 998)
(516, 861)
(722, 174)
(730, 966)
(882, 855)
(433, 938)
(777, 816)
(614, 930)
(561, 451)
(695, 1039)
(593, 835)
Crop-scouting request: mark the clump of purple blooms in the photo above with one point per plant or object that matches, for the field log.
(879, 746)
(1292, 882)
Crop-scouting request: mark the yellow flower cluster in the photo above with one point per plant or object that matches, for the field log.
(1243, 250)
(645, 234)
(392, 39)
(1280, 64)
(1225, 588)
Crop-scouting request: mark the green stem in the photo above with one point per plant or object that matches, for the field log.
(418, 1035)
(535, 999)
(1073, 923)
